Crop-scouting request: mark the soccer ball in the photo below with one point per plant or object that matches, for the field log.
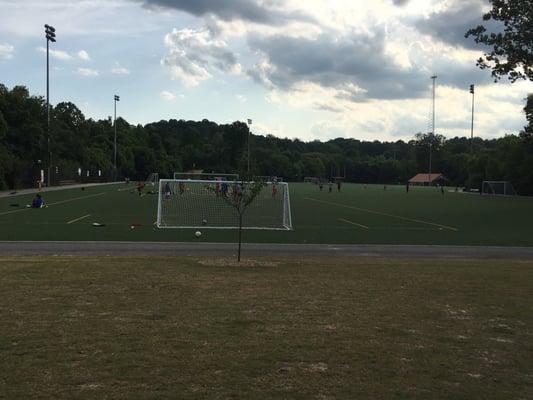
(198, 234)
(204, 222)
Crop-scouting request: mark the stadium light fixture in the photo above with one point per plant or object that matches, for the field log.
(50, 33)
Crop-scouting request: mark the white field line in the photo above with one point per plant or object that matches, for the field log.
(124, 189)
(354, 223)
(56, 203)
(451, 228)
(78, 219)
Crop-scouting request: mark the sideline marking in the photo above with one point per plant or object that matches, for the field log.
(124, 189)
(451, 228)
(354, 223)
(56, 203)
(78, 219)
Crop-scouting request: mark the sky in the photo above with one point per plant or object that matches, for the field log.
(307, 69)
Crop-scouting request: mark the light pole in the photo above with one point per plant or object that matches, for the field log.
(434, 77)
(472, 124)
(117, 98)
(50, 33)
(249, 133)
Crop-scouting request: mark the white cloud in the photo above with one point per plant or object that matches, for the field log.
(83, 55)
(166, 95)
(59, 54)
(119, 70)
(195, 55)
(87, 72)
(6, 51)
(241, 98)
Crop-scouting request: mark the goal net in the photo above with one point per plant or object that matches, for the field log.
(268, 178)
(153, 179)
(504, 188)
(213, 176)
(207, 204)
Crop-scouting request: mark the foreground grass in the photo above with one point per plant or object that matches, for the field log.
(155, 328)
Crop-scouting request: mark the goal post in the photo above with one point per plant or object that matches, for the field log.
(207, 204)
(153, 179)
(213, 176)
(503, 188)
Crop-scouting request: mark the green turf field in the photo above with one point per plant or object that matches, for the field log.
(359, 214)
(331, 328)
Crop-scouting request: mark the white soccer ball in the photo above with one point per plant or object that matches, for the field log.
(204, 222)
(198, 234)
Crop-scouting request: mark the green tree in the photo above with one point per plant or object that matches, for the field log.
(511, 51)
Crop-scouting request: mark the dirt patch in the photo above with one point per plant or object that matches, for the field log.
(232, 262)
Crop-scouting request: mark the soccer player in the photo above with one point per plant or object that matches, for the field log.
(140, 187)
(217, 188)
(274, 190)
(330, 186)
(224, 189)
(181, 187)
(37, 202)
(320, 185)
(338, 186)
(167, 191)
(407, 187)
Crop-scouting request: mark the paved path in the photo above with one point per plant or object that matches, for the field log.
(256, 249)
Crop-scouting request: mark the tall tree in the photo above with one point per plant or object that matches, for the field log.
(512, 48)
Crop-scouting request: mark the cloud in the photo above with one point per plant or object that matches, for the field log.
(241, 98)
(400, 2)
(193, 56)
(87, 72)
(450, 24)
(58, 54)
(166, 95)
(356, 65)
(270, 12)
(6, 51)
(119, 70)
(83, 55)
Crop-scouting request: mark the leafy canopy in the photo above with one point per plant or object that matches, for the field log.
(512, 47)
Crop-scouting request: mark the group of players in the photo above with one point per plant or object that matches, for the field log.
(221, 189)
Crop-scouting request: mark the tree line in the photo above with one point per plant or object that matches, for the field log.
(86, 145)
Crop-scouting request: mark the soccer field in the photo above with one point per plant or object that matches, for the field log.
(359, 214)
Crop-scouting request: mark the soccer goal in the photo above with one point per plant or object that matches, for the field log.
(153, 179)
(207, 204)
(504, 188)
(213, 176)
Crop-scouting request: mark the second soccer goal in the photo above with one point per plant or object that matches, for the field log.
(208, 204)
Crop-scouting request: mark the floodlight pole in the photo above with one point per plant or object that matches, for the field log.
(472, 124)
(116, 98)
(434, 77)
(248, 144)
(50, 37)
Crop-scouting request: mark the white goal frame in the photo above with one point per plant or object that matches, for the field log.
(508, 189)
(286, 216)
(204, 176)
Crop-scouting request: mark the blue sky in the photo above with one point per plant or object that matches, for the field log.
(308, 69)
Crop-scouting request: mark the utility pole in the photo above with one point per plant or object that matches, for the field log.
(117, 98)
(434, 77)
(472, 124)
(50, 37)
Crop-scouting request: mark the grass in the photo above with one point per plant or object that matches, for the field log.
(332, 328)
(359, 214)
